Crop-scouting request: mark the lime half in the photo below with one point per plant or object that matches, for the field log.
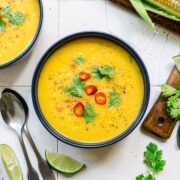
(10, 162)
(62, 163)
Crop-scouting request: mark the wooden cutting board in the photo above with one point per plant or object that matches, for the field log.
(165, 22)
(157, 121)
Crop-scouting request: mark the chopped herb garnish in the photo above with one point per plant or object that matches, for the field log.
(89, 114)
(2, 25)
(5, 10)
(173, 100)
(114, 99)
(153, 160)
(79, 60)
(15, 18)
(103, 71)
(76, 88)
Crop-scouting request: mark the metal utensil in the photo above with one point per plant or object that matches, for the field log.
(14, 116)
(46, 172)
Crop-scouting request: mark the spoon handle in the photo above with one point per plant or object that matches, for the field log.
(32, 174)
(46, 172)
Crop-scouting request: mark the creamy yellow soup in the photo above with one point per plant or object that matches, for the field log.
(58, 72)
(16, 38)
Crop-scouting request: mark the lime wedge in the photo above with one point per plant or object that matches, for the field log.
(10, 162)
(62, 163)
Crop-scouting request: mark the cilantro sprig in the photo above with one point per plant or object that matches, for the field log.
(173, 100)
(89, 114)
(76, 88)
(79, 60)
(15, 18)
(154, 162)
(114, 99)
(101, 72)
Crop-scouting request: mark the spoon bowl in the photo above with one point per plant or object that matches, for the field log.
(15, 112)
(12, 111)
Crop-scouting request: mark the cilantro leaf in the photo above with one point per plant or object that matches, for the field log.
(173, 107)
(178, 86)
(5, 10)
(89, 113)
(76, 88)
(173, 100)
(16, 18)
(114, 99)
(103, 71)
(153, 160)
(159, 165)
(79, 60)
(142, 177)
(95, 73)
(2, 25)
(167, 90)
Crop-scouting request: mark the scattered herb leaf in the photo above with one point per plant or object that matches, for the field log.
(79, 60)
(89, 114)
(167, 90)
(5, 10)
(114, 99)
(76, 88)
(173, 100)
(2, 25)
(15, 18)
(103, 71)
(153, 160)
(142, 177)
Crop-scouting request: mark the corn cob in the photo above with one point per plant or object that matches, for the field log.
(171, 6)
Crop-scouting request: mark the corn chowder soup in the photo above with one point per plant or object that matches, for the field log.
(19, 21)
(90, 90)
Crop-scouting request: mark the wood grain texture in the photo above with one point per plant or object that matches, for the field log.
(157, 121)
(165, 22)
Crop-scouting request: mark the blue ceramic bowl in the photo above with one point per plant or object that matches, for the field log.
(61, 43)
(28, 50)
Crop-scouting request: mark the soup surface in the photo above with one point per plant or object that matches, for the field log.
(106, 108)
(15, 38)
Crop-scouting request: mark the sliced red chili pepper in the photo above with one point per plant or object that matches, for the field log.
(90, 89)
(100, 98)
(78, 109)
(83, 75)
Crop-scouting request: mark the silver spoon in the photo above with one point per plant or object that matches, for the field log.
(46, 172)
(12, 114)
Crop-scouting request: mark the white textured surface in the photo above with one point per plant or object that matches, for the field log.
(124, 159)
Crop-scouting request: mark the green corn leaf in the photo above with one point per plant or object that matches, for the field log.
(160, 11)
(140, 8)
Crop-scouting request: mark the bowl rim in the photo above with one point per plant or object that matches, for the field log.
(60, 43)
(31, 44)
